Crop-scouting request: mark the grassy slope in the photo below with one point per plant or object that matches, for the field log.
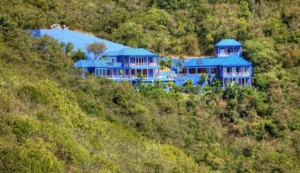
(43, 129)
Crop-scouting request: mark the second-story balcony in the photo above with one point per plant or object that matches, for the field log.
(141, 64)
(237, 74)
(223, 54)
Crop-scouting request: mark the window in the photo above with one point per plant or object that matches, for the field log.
(236, 50)
(127, 61)
(213, 70)
(238, 70)
(139, 73)
(202, 70)
(133, 73)
(228, 51)
(126, 72)
(109, 73)
(132, 61)
(150, 73)
(245, 81)
(145, 72)
(192, 70)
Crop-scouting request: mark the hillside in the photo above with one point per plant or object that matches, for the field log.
(53, 121)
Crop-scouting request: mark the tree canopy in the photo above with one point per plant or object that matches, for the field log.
(96, 48)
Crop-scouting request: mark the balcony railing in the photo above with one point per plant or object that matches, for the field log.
(237, 74)
(181, 74)
(124, 76)
(142, 64)
(228, 54)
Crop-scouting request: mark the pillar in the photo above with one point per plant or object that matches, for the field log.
(147, 58)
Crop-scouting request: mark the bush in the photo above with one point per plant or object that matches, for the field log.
(32, 94)
(21, 128)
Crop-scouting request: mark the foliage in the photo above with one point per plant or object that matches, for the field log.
(78, 55)
(6, 23)
(96, 48)
(203, 78)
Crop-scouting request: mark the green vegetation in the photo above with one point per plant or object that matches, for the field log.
(96, 48)
(53, 121)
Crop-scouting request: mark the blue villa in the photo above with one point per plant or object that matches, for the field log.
(123, 63)
(227, 65)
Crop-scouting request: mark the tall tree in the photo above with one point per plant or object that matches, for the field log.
(96, 48)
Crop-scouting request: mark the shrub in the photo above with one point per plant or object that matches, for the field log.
(32, 94)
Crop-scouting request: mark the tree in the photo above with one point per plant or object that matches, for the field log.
(78, 55)
(6, 23)
(69, 48)
(96, 48)
(192, 45)
(203, 78)
(261, 53)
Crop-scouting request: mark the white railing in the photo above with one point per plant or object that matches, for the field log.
(181, 74)
(237, 74)
(228, 54)
(124, 76)
(142, 64)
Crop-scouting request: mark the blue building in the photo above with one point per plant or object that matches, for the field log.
(128, 64)
(123, 63)
(228, 66)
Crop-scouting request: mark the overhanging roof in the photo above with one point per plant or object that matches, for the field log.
(228, 42)
(232, 60)
(131, 52)
(95, 64)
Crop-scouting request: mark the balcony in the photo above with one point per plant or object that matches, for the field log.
(141, 64)
(237, 74)
(119, 76)
(228, 54)
(125, 76)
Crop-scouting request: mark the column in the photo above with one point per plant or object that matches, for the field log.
(147, 58)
